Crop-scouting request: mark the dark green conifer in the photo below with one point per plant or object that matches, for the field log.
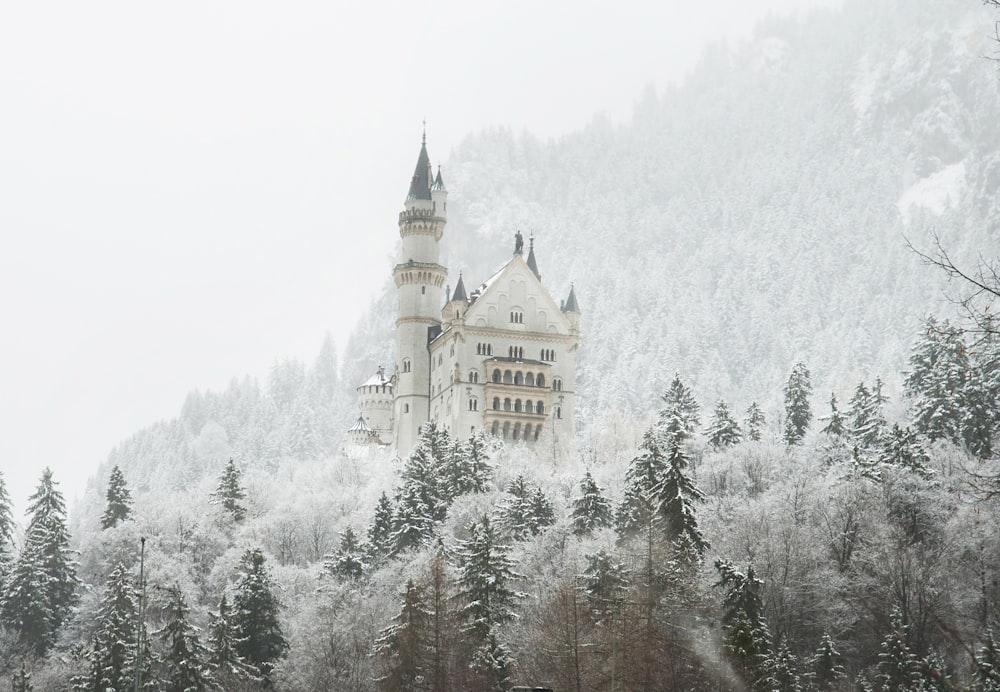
(184, 662)
(260, 640)
(754, 422)
(723, 430)
(797, 411)
(747, 638)
(230, 493)
(680, 406)
(119, 500)
(591, 510)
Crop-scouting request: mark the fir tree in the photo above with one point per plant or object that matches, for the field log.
(797, 411)
(835, 426)
(784, 670)
(260, 641)
(675, 494)
(380, 544)
(680, 405)
(723, 431)
(542, 513)
(643, 475)
(485, 579)
(987, 676)
(477, 466)
(112, 658)
(864, 415)
(41, 588)
(413, 522)
(119, 500)
(229, 494)
(185, 658)
(605, 583)
(6, 534)
(901, 447)
(591, 510)
(828, 673)
(223, 659)
(747, 637)
(526, 511)
(401, 648)
(21, 680)
(939, 367)
(754, 422)
(899, 668)
(347, 561)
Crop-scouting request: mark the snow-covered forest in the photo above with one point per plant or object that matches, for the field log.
(786, 474)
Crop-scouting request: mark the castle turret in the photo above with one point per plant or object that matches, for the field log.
(419, 278)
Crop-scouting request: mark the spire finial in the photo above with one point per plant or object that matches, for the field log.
(423, 140)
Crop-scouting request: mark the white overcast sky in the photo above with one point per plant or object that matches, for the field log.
(190, 190)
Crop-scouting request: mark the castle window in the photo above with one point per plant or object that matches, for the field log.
(506, 404)
(406, 408)
(440, 358)
(473, 404)
(540, 409)
(517, 317)
(518, 379)
(540, 381)
(423, 290)
(489, 349)
(496, 403)
(406, 365)
(473, 376)
(517, 430)
(496, 376)
(517, 406)
(556, 384)
(506, 429)
(527, 431)
(529, 379)
(558, 412)
(496, 428)
(452, 351)
(508, 378)
(528, 407)
(538, 431)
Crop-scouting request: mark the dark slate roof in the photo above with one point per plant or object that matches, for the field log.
(570, 304)
(420, 184)
(439, 182)
(532, 264)
(460, 291)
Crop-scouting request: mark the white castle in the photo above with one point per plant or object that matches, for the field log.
(501, 359)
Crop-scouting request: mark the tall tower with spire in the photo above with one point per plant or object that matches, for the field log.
(419, 278)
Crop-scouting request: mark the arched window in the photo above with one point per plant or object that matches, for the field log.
(473, 376)
(538, 431)
(479, 349)
(489, 349)
(558, 411)
(540, 408)
(473, 405)
(540, 381)
(517, 405)
(506, 429)
(506, 404)
(406, 408)
(517, 430)
(496, 428)
(529, 407)
(518, 379)
(406, 365)
(508, 377)
(496, 403)
(423, 290)
(529, 379)
(556, 384)
(496, 376)
(527, 431)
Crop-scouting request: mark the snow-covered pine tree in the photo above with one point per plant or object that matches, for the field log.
(828, 672)
(184, 666)
(224, 661)
(747, 637)
(987, 675)
(675, 494)
(541, 511)
(643, 475)
(835, 424)
(348, 561)
(939, 367)
(865, 419)
(413, 521)
(901, 447)
(112, 657)
(605, 583)
(784, 670)
(899, 668)
(591, 510)
(21, 679)
(981, 397)
(680, 404)
(119, 500)
(260, 640)
(41, 588)
(401, 648)
(723, 430)
(379, 545)
(6, 535)
(526, 511)
(229, 494)
(484, 587)
(754, 422)
(478, 469)
(797, 411)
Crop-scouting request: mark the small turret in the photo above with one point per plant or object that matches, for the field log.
(571, 309)
(455, 307)
(532, 264)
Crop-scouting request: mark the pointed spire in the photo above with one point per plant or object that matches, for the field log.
(460, 290)
(438, 182)
(420, 184)
(532, 264)
(570, 305)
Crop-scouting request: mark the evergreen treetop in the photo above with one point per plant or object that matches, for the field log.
(229, 494)
(591, 510)
(723, 430)
(680, 407)
(119, 500)
(797, 411)
(260, 640)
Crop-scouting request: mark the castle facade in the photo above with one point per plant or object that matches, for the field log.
(501, 358)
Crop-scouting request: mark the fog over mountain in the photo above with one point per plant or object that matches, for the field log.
(741, 239)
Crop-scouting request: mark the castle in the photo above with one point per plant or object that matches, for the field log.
(501, 359)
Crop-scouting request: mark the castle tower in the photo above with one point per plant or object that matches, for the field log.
(419, 279)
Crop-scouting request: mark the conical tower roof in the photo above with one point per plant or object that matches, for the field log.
(570, 305)
(460, 291)
(439, 182)
(532, 264)
(420, 184)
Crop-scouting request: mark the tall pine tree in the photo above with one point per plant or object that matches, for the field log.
(680, 405)
(184, 661)
(119, 500)
(797, 411)
(723, 430)
(591, 510)
(6, 535)
(747, 637)
(754, 422)
(401, 648)
(260, 640)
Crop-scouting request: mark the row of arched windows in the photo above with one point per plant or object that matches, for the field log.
(517, 406)
(548, 354)
(484, 349)
(518, 378)
(517, 317)
(516, 431)
(515, 352)
(473, 404)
